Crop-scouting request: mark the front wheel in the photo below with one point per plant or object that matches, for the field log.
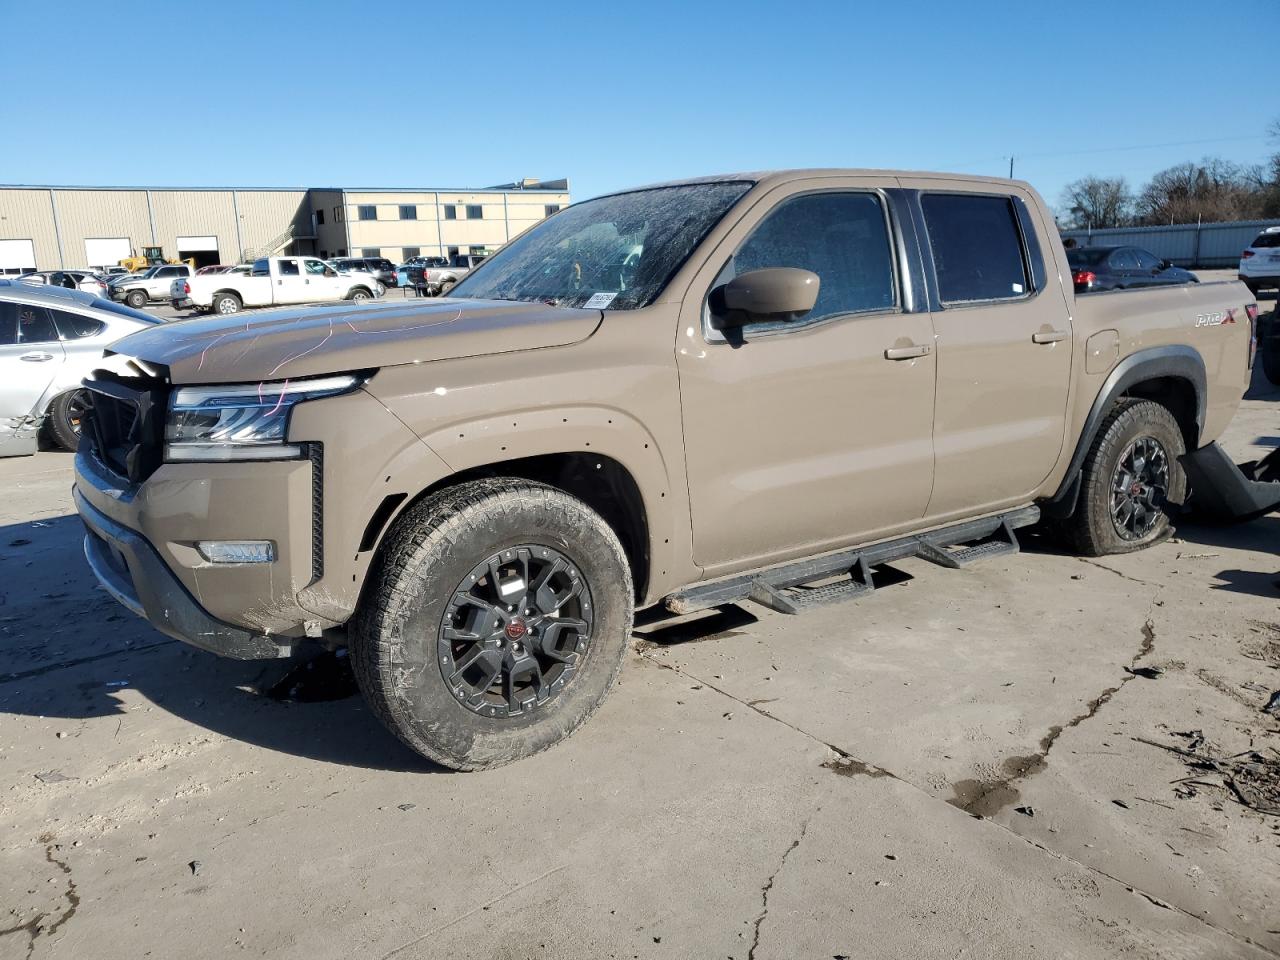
(136, 299)
(1132, 479)
(494, 624)
(359, 293)
(66, 412)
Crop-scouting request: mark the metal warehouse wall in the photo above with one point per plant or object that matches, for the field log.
(1187, 245)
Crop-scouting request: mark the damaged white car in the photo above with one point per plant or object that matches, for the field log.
(50, 339)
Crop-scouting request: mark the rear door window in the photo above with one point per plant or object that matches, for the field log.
(35, 325)
(289, 268)
(977, 247)
(1267, 240)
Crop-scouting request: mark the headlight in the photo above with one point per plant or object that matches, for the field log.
(242, 421)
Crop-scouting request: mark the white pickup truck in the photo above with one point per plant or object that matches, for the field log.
(273, 281)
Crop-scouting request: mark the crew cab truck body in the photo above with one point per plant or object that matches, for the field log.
(272, 281)
(651, 394)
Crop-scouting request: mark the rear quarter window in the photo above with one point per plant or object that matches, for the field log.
(1267, 240)
(75, 326)
(977, 247)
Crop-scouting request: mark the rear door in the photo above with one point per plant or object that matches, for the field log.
(31, 356)
(290, 285)
(1125, 270)
(1003, 351)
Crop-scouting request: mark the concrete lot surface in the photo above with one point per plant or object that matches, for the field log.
(955, 766)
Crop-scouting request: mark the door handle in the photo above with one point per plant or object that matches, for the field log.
(36, 357)
(908, 353)
(1051, 336)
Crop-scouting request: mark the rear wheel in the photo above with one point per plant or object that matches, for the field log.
(226, 303)
(66, 413)
(1131, 479)
(494, 624)
(446, 287)
(136, 299)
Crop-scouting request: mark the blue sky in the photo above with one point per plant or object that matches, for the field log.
(611, 95)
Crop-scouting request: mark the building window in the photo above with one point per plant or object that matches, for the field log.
(475, 211)
(342, 252)
(370, 251)
(450, 211)
(410, 252)
(453, 252)
(408, 211)
(368, 211)
(478, 251)
(320, 217)
(550, 208)
(337, 215)
(324, 254)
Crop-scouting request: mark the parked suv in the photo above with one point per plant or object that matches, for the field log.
(1260, 263)
(698, 393)
(380, 267)
(139, 289)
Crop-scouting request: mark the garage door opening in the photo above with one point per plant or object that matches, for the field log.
(103, 252)
(16, 256)
(203, 250)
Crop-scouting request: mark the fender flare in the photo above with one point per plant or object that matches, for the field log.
(1173, 361)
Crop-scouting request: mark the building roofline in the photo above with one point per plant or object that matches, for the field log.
(344, 190)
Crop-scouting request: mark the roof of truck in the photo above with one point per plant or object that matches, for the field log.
(786, 176)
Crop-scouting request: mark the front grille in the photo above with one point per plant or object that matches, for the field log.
(124, 424)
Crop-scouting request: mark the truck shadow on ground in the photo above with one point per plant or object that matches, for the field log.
(68, 650)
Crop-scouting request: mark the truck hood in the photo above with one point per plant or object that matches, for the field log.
(284, 344)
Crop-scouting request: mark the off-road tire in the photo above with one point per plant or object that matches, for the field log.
(1091, 530)
(424, 559)
(59, 421)
(136, 299)
(225, 304)
(446, 287)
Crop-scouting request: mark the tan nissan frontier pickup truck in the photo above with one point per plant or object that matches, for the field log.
(742, 387)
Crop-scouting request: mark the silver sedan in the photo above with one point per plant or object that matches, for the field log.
(51, 338)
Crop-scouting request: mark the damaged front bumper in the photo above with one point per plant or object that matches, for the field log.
(129, 568)
(1225, 491)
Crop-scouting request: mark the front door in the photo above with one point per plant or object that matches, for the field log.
(323, 282)
(1004, 349)
(808, 434)
(30, 357)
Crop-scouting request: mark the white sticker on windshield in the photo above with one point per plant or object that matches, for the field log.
(599, 300)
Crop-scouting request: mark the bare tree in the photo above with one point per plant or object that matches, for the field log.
(1097, 202)
(1212, 190)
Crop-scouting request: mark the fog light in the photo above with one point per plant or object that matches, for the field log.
(237, 551)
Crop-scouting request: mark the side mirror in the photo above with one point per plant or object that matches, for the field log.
(775, 293)
(1165, 264)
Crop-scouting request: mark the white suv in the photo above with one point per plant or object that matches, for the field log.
(1260, 264)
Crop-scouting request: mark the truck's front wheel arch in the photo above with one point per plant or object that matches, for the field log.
(602, 483)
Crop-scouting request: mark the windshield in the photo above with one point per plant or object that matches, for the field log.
(616, 252)
(1087, 257)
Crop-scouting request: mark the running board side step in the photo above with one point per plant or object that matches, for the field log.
(784, 588)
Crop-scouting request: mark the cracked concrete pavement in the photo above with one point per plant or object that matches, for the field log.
(945, 768)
